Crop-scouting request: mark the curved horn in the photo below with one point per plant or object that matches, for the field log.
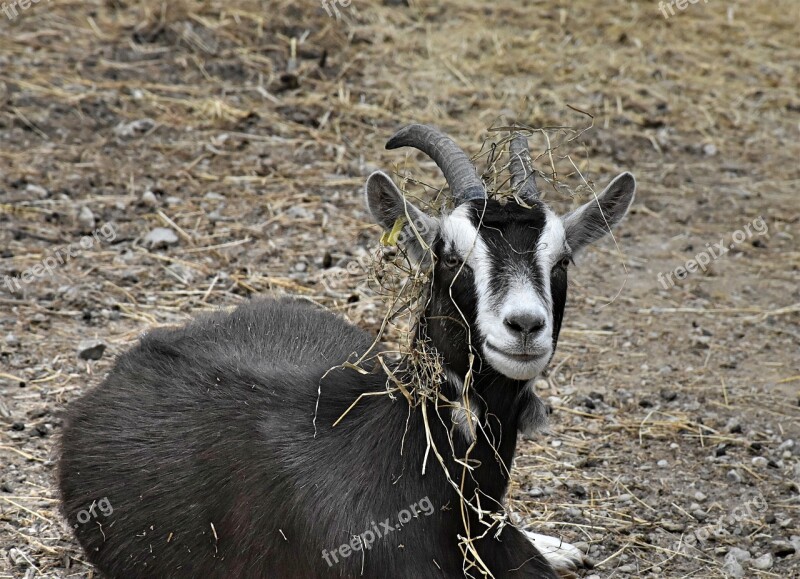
(454, 163)
(523, 177)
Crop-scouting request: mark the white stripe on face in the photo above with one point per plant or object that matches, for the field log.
(503, 348)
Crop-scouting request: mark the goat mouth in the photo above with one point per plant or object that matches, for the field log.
(524, 357)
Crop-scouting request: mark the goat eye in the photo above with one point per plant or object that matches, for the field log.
(452, 261)
(564, 262)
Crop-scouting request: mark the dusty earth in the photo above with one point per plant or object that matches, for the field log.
(245, 129)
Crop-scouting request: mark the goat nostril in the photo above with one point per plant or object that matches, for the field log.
(524, 323)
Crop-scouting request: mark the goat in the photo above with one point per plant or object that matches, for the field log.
(216, 448)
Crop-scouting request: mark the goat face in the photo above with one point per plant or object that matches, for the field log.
(499, 271)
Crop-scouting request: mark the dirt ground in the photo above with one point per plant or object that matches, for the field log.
(246, 130)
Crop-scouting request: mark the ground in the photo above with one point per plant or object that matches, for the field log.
(246, 129)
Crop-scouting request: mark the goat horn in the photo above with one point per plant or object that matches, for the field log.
(523, 177)
(453, 162)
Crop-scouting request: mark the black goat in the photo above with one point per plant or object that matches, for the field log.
(213, 444)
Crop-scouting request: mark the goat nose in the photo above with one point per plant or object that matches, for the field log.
(524, 323)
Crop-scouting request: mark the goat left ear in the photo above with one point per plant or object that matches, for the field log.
(388, 205)
(594, 219)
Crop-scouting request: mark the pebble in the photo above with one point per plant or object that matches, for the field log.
(760, 462)
(734, 476)
(160, 237)
(86, 218)
(583, 546)
(17, 558)
(700, 515)
(149, 199)
(700, 497)
(668, 395)
(36, 190)
(786, 445)
(11, 340)
(783, 548)
(91, 350)
(536, 492)
(738, 555)
(733, 569)
(135, 128)
(662, 463)
(764, 562)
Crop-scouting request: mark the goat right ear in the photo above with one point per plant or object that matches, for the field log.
(388, 204)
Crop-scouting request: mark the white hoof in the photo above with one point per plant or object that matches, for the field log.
(562, 556)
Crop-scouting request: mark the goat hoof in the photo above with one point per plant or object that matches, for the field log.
(563, 557)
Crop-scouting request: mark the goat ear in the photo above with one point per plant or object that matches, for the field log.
(388, 205)
(594, 219)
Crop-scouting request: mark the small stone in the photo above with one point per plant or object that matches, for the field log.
(626, 568)
(734, 476)
(135, 128)
(17, 557)
(18, 426)
(300, 266)
(786, 445)
(783, 548)
(700, 497)
(700, 515)
(764, 562)
(583, 546)
(36, 190)
(11, 340)
(710, 150)
(536, 492)
(160, 237)
(86, 218)
(668, 395)
(738, 555)
(149, 199)
(733, 569)
(91, 350)
(760, 462)
(673, 527)
(662, 464)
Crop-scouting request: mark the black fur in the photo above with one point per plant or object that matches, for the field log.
(203, 440)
